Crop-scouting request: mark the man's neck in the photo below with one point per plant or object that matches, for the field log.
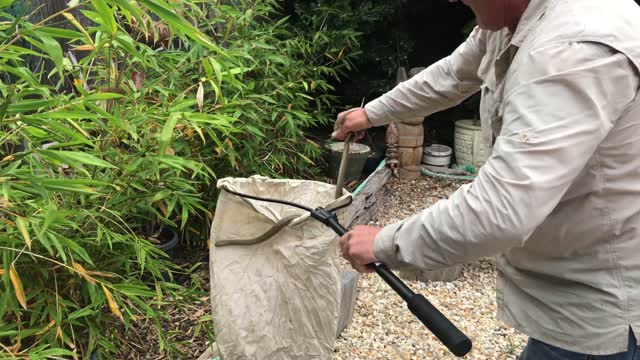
(515, 10)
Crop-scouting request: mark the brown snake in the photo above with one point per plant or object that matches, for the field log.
(261, 238)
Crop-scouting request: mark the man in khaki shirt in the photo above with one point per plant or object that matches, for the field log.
(558, 201)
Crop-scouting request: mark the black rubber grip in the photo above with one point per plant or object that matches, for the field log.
(450, 336)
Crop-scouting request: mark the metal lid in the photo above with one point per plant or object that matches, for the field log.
(437, 150)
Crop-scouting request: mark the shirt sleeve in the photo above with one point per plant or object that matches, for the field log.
(440, 86)
(561, 101)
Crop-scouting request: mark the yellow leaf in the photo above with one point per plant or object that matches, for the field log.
(78, 26)
(313, 85)
(84, 48)
(99, 273)
(2, 272)
(22, 225)
(83, 272)
(200, 96)
(112, 303)
(163, 208)
(169, 151)
(49, 326)
(17, 285)
(16, 348)
(8, 158)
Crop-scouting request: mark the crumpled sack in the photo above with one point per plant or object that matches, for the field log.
(278, 299)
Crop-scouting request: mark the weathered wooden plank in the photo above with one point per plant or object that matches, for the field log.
(363, 207)
(375, 182)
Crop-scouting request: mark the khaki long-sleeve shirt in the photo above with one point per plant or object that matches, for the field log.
(558, 201)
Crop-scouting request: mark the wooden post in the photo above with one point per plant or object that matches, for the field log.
(405, 153)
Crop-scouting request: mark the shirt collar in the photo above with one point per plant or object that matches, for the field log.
(535, 10)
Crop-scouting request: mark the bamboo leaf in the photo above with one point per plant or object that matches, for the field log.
(60, 33)
(128, 7)
(56, 352)
(71, 157)
(53, 49)
(46, 328)
(5, 104)
(200, 96)
(138, 79)
(103, 96)
(112, 303)
(78, 26)
(81, 270)
(30, 105)
(17, 286)
(167, 131)
(106, 14)
(162, 9)
(161, 195)
(5, 3)
(81, 313)
(22, 225)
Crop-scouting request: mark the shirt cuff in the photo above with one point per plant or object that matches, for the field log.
(384, 248)
(377, 114)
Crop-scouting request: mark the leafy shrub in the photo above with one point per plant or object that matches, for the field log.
(127, 133)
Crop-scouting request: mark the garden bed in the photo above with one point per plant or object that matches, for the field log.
(381, 327)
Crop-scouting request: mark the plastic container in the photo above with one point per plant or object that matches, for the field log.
(470, 147)
(358, 154)
(437, 155)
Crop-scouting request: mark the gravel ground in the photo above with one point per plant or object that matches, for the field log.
(382, 328)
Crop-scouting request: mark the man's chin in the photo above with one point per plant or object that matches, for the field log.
(490, 28)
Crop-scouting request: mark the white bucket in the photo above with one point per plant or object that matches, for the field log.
(437, 155)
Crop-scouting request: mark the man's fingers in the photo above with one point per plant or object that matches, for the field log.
(344, 240)
(339, 120)
(339, 134)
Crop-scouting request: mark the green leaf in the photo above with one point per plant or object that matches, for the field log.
(75, 157)
(5, 104)
(56, 352)
(106, 15)
(164, 11)
(31, 105)
(133, 290)
(103, 96)
(60, 33)
(5, 3)
(53, 49)
(161, 195)
(167, 131)
(81, 313)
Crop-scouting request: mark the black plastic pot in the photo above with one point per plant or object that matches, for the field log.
(169, 241)
(172, 239)
(372, 163)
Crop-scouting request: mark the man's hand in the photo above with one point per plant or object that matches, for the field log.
(351, 121)
(357, 247)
